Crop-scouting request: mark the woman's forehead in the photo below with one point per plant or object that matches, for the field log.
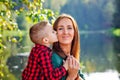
(65, 21)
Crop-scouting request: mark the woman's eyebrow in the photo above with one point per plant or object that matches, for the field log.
(60, 26)
(69, 25)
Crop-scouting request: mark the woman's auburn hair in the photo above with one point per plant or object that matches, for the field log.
(75, 48)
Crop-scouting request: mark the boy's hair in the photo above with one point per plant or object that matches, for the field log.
(36, 32)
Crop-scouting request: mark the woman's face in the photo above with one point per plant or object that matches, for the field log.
(65, 31)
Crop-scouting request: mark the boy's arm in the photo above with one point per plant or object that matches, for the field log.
(47, 67)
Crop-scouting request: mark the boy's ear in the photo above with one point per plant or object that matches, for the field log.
(45, 40)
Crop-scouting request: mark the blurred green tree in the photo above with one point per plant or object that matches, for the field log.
(116, 32)
(15, 18)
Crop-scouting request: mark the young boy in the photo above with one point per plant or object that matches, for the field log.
(39, 65)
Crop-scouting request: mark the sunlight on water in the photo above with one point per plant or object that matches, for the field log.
(108, 75)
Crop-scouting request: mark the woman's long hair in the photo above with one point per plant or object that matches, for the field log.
(75, 47)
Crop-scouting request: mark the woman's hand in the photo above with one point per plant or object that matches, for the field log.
(73, 68)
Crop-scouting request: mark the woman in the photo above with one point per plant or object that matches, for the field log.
(68, 43)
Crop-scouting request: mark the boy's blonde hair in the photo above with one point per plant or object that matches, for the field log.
(36, 32)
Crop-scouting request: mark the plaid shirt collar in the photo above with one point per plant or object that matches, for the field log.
(43, 47)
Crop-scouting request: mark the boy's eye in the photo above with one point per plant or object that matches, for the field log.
(53, 31)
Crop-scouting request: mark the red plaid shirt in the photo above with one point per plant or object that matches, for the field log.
(40, 66)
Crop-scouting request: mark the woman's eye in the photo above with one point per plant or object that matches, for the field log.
(69, 28)
(60, 28)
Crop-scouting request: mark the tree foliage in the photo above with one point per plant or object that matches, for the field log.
(116, 32)
(52, 4)
(13, 29)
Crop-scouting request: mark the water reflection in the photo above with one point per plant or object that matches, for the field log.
(108, 75)
(97, 50)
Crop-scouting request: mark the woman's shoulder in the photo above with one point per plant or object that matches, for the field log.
(56, 56)
(81, 75)
(56, 60)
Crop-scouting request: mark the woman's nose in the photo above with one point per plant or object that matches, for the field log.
(65, 31)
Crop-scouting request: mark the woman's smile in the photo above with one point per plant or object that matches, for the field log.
(65, 37)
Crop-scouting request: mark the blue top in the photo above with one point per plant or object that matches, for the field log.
(57, 61)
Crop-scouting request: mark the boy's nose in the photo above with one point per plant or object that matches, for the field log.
(55, 32)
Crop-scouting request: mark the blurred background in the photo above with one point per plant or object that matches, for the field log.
(99, 26)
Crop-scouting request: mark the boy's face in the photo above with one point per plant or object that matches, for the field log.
(52, 36)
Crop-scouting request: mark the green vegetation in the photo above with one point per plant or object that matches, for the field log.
(116, 32)
(99, 26)
(16, 17)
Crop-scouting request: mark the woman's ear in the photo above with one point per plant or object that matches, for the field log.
(45, 40)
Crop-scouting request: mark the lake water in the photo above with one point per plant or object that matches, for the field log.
(108, 75)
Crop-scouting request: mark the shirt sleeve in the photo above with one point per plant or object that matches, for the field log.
(47, 67)
(81, 75)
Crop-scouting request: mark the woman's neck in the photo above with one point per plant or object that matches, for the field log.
(66, 49)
